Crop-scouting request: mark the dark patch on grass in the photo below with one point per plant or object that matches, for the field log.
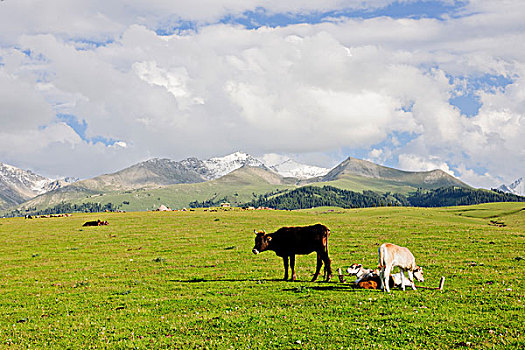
(196, 280)
(122, 293)
(213, 280)
(497, 223)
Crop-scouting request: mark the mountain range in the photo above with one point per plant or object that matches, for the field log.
(517, 187)
(236, 178)
(18, 186)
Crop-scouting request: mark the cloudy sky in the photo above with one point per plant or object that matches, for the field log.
(91, 87)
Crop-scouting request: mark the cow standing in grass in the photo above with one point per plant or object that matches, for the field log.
(287, 242)
(390, 256)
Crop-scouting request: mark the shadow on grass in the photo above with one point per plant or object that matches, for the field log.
(311, 285)
(322, 288)
(212, 280)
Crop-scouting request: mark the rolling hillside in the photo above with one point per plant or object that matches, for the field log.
(240, 186)
(361, 175)
(156, 182)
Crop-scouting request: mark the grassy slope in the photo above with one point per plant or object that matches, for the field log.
(238, 187)
(188, 279)
(237, 190)
(360, 184)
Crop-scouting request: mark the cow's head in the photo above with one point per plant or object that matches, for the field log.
(418, 274)
(262, 240)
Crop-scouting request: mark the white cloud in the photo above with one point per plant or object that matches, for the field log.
(289, 90)
(411, 162)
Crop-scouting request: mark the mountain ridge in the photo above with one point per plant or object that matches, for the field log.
(231, 174)
(517, 187)
(359, 167)
(18, 185)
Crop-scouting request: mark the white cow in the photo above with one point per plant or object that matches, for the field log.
(391, 255)
(360, 272)
(398, 280)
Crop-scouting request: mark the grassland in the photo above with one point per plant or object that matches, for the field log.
(189, 280)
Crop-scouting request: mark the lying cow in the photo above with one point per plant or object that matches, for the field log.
(291, 241)
(367, 278)
(398, 280)
(95, 223)
(360, 272)
(390, 256)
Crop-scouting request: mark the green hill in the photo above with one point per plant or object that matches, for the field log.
(240, 186)
(359, 175)
(148, 185)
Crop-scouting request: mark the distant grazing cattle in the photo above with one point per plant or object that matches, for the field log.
(95, 223)
(391, 255)
(291, 241)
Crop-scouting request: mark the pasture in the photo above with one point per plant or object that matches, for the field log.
(153, 280)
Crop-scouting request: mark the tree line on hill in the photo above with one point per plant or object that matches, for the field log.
(452, 196)
(312, 196)
(64, 208)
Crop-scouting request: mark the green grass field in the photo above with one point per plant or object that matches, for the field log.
(155, 280)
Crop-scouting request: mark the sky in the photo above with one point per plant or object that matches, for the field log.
(92, 87)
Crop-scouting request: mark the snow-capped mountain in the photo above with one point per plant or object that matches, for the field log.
(220, 166)
(287, 167)
(54, 184)
(17, 185)
(517, 187)
(284, 166)
(24, 181)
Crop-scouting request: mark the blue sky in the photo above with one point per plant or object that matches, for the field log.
(415, 10)
(416, 85)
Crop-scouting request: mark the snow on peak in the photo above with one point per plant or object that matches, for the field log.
(517, 187)
(220, 166)
(290, 168)
(28, 183)
(24, 181)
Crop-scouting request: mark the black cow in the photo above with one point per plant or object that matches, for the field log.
(95, 223)
(290, 241)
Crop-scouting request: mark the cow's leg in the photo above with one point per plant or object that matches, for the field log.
(318, 268)
(285, 261)
(411, 279)
(292, 265)
(402, 273)
(327, 266)
(385, 278)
